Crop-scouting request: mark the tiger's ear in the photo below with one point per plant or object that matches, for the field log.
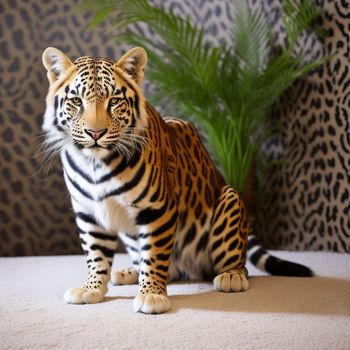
(56, 63)
(133, 63)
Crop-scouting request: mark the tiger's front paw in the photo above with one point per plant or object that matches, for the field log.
(83, 296)
(151, 303)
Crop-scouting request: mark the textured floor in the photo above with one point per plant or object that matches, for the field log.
(275, 313)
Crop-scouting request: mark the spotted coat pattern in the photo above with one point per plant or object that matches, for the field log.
(147, 180)
(307, 192)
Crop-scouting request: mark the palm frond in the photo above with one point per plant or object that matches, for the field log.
(228, 89)
(298, 16)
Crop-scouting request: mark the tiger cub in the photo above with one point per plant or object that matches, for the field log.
(145, 180)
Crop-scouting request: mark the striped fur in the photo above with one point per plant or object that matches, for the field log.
(144, 179)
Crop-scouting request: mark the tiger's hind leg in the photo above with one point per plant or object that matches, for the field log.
(125, 276)
(228, 238)
(234, 280)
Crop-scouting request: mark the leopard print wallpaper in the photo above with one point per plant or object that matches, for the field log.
(35, 212)
(307, 202)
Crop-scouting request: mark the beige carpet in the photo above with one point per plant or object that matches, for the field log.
(275, 313)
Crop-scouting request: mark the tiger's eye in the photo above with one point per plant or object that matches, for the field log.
(76, 101)
(113, 101)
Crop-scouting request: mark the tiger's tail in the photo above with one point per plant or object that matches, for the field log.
(260, 258)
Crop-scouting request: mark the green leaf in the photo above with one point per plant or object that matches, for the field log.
(228, 89)
(100, 16)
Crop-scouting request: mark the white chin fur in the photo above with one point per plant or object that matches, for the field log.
(95, 152)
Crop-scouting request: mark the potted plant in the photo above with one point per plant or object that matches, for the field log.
(228, 90)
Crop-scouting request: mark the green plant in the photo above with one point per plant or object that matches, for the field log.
(228, 89)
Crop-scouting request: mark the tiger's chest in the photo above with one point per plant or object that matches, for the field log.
(99, 191)
(113, 216)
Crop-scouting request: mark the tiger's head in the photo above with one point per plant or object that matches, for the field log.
(94, 103)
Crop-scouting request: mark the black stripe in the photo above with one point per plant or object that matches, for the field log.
(111, 157)
(252, 242)
(220, 228)
(231, 260)
(156, 194)
(233, 245)
(218, 211)
(217, 244)
(161, 276)
(155, 176)
(164, 193)
(198, 210)
(77, 169)
(78, 187)
(146, 247)
(234, 213)
(77, 145)
(149, 215)
(257, 255)
(127, 246)
(183, 219)
(167, 226)
(128, 185)
(103, 236)
(137, 107)
(169, 246)
(162, 257)
(190, 235)
(135, 159)
(105, 251)
(162, 242)
(234, 222)
(203, 219)
(208, 196)
(219, 258)
(87, 218)
(203, 242)
(231, 234)
(117, 170)
(145, 190)
(162, 268)
(147, 262)
(56, 104)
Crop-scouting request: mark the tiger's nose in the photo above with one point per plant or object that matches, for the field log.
(96, 134)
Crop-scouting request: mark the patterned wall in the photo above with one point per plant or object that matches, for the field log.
(35, 213)
(307, 202)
